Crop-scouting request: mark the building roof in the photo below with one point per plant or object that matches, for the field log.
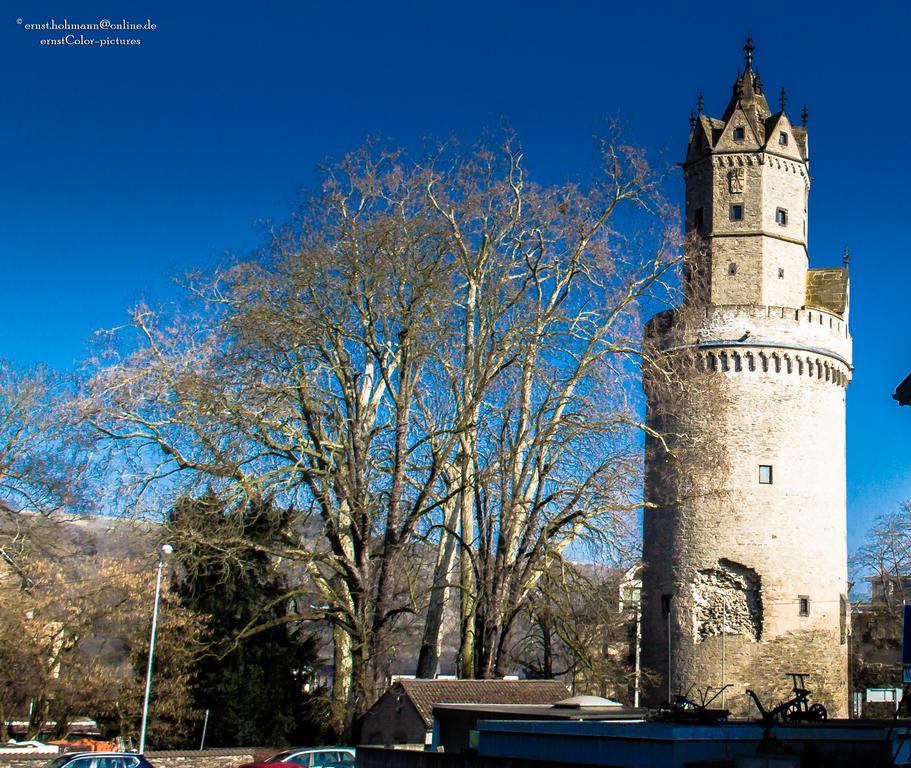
(425, 693)
(828, 289)
(903, 391)
(748, 95)
(747, 106)
(542, 712)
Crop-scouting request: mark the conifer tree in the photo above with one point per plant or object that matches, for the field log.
(253, 679)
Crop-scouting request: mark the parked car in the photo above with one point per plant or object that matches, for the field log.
(98, 760)
(314, 757)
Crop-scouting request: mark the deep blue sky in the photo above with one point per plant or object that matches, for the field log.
(123, 167)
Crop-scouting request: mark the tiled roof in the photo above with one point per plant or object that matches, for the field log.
(828, 289)
(425, 693)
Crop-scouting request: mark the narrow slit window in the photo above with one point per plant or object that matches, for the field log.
(732, 268)
(803, 605)
(781, 216)
(765, 474)
(737, 212)
(780, 273)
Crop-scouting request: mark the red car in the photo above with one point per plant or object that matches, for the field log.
(314, 757)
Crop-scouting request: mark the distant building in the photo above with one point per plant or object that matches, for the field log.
(876, 646)
(404, 714)
(630, 589)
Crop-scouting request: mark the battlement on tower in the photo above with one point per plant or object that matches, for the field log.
(810, 330)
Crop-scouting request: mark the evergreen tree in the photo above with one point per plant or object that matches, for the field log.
(253, 680)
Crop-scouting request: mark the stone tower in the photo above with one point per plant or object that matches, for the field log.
(744, 548)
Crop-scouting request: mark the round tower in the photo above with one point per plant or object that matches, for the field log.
(744, 548)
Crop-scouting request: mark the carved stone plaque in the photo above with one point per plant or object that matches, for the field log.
(735, 180)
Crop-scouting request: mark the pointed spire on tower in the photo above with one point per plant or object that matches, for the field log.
(748, 49)
(699, 103)
(783, 98)
(692, 119)
(747, 91)
(804, 115)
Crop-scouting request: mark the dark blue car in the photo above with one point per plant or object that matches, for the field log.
(98, 760)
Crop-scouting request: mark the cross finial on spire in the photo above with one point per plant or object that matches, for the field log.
(699, 103)
(846, 257)
(748, 49)
(804, 115)
(783, 98)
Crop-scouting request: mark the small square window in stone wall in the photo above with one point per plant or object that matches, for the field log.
(739, 133)
(781, 216)
(783, 139)
(803, 605)
(736, 213)
(765, 474)
(732, 268)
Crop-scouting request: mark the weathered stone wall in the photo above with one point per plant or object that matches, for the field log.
(758, 245)
(755, 260)
(745, 547)
(727, 601)
(209, 758)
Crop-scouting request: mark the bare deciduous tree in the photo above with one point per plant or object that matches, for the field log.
(62, 627)
(551, 283)
(42, 466)
(575, 627)
(430, 357)
(885, 556)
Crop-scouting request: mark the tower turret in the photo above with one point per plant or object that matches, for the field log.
(747, 189)
(744, 541)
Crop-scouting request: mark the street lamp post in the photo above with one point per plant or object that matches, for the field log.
(166, 549)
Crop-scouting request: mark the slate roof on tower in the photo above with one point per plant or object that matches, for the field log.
(748, 98)
(827, 288)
